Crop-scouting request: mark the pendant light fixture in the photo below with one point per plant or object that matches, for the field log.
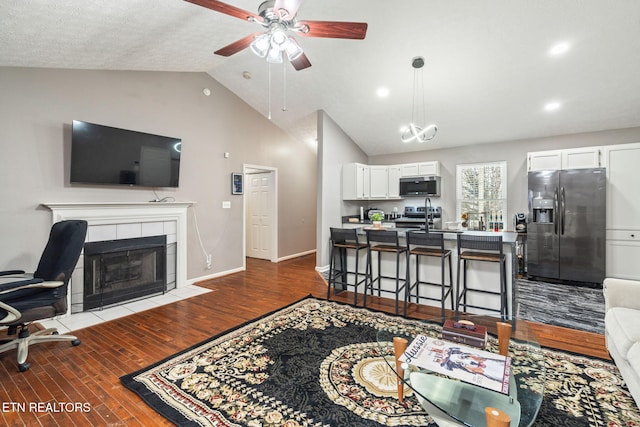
(413, 131)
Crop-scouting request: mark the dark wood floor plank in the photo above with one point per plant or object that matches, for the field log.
(90, 372)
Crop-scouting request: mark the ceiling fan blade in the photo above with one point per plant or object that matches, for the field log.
(227, 9)
(286, 9)
(236, 46)
(332, 29)
(301, 62)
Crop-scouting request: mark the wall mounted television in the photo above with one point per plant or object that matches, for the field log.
(112, 156)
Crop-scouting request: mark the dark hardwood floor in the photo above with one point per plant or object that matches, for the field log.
(61, 374)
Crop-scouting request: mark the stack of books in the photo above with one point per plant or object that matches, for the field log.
(465, 332)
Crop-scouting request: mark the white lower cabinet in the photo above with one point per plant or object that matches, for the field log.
(623, 253)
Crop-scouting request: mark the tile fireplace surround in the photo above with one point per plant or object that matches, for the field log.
(122, 220)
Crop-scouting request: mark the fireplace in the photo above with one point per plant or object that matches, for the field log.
(124, 269)
(126, 220)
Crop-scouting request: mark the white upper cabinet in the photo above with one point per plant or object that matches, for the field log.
(365, 182)
(394, 182)
(574, 158)
(581, 158)
(409, 169)
(420, 169)
(544, 160)
(355, 181)
(379, 181)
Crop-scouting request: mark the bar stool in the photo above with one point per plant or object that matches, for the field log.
(484, 249)
(384, 241)
(343, 239)
(429, 245)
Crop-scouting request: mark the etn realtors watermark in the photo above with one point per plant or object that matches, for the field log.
(45, 407)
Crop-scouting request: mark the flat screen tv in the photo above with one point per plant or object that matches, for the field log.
(112, 156)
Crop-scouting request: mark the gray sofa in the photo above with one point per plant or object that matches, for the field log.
(622, 329)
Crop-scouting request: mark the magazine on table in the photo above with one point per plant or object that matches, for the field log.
(468, 364)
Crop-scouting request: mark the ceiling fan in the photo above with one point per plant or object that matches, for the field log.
(279, 17)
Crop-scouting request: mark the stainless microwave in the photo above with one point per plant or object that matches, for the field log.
(425, 186)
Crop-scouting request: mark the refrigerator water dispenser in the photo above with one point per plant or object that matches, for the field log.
(542, 210)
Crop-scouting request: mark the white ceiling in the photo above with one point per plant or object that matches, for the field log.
(487, 76)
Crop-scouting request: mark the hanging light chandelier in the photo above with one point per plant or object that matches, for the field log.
(413, 131)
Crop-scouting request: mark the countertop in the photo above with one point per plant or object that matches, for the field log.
(507, 236)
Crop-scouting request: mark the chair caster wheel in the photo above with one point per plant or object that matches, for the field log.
(24, 366)
(75, 342)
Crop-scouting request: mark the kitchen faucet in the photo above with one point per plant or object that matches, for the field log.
(427, 213)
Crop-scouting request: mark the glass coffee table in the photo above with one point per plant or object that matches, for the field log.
(454, 402)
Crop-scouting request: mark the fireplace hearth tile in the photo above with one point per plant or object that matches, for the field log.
(140, 305)
(90, 318)
(113, 313)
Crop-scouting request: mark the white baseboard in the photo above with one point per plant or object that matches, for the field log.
(312, 251)
(215, 275)
(243, 268)
(322, 269)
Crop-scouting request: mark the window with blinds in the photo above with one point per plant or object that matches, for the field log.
(481, 193)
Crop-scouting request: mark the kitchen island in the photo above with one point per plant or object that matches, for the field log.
(481, 275)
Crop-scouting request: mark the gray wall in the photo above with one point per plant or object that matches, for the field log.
(334, 149)
(36, 111)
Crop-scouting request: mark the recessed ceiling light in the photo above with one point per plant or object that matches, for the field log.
(559, 49)
(382, 92)
(552, 106)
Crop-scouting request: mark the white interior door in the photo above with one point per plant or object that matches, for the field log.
(260, 215)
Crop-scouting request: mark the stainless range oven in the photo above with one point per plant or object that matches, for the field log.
(414, 217)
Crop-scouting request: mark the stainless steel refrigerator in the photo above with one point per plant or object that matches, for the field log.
(566, 229)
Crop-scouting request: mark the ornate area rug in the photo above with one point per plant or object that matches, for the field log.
(317, 363)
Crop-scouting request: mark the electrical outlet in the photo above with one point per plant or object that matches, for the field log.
(226, 204)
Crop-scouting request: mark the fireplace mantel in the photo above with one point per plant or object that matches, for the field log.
(102, 216)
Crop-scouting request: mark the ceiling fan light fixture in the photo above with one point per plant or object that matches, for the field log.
(274, 56)
(278, 38)
(260, 45)
(293, 49)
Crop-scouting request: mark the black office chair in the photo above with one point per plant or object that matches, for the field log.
(25, 299)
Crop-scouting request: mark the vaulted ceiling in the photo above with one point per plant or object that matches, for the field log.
(487, 78)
